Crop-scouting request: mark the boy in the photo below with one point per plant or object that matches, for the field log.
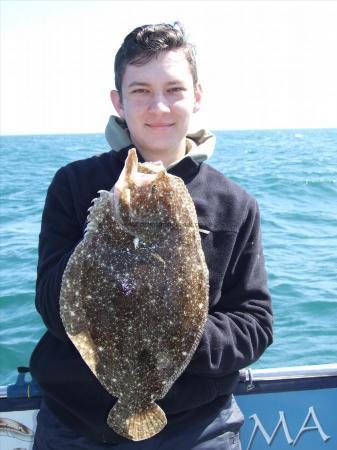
(157, 93)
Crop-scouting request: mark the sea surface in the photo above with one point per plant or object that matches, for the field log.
(293, 175)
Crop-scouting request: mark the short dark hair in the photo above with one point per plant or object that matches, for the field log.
(148, 41)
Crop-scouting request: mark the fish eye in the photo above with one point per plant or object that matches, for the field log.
(154, 189)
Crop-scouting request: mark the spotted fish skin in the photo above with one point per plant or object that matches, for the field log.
(134, 294)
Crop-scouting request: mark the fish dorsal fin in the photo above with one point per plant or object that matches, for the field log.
(97, 208)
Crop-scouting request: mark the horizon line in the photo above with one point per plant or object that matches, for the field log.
(74, 133)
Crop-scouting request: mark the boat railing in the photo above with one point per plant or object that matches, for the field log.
(251, 380)
(287, 378)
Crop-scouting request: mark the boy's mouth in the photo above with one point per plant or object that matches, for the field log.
(159, 125)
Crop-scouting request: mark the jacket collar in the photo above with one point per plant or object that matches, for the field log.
(200, 145)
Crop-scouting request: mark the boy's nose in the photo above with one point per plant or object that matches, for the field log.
(159, 103)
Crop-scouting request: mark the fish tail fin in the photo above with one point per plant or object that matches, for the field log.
(137, 426)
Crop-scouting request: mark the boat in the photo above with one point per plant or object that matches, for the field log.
(284, 408)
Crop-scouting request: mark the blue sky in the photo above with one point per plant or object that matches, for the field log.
(263, 64)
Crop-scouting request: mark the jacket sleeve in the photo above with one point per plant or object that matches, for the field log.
(60, 233)
(239, 328)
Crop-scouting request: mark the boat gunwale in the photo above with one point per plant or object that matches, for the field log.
(289, 373)
(251, 381)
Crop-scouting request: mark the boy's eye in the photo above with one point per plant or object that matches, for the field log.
(139, 91)
(176, 89)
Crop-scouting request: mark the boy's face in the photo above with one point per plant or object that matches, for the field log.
(158, 100)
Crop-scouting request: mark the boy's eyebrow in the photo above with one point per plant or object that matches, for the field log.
(138, 83)
(175, 82)
(142, 83)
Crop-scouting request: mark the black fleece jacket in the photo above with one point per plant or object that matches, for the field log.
(239, 324)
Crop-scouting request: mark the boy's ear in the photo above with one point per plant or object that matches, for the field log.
(197, 97)
(117, 102)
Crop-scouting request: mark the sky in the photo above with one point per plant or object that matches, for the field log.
(263, 64)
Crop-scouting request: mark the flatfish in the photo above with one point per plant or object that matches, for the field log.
(134, 294)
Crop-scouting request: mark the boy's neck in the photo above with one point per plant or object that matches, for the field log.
(168, 157)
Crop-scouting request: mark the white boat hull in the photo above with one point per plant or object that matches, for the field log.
(286, 408)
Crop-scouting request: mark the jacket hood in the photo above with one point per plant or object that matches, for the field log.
(199, 145)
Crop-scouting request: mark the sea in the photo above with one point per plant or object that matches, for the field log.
(292, 174)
